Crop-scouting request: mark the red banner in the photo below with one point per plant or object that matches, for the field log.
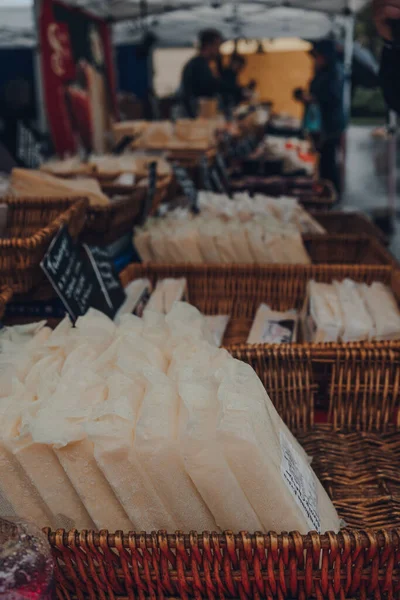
(77, 76)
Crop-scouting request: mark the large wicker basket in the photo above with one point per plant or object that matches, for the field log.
(107, 223)
(358, 249)
(238, 291)
(313, 195)
(31, 225)
(345, 223)
(359, 468)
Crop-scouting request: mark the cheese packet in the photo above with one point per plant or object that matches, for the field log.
(382, 307)
(357, 322)
(322, 316)
(273, 327)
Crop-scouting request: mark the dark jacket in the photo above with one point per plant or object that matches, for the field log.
(389, 75)
(327, 89)
(198, 81)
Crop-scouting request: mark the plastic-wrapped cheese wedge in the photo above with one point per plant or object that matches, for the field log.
(191, 367)
(285, 493)
(41, 466)
(357, 323)
(322, 315)
(383, 309)
(157, 447)
(111, 429)
(167, 292)
(18, 496)
(204, 459)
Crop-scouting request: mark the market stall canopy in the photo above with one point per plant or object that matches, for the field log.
(176, 22)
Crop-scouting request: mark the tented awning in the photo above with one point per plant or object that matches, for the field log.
(177, 22)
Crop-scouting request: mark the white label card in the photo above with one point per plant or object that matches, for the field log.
(300, 480)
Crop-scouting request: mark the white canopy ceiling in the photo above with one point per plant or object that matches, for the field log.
(176, 22)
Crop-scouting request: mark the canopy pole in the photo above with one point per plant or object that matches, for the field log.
(348, 62)
(348, 24)
(37, 65)
(392, 163)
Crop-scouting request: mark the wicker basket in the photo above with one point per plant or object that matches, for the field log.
(107, 223)
(347, 249)
(313, 195)
(31, 225)
(5, 297)
(344, 223)
(359, 469)
(238, 291)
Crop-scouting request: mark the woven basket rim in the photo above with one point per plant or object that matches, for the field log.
(35, 239)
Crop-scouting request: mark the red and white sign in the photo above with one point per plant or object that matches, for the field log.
(78, 77)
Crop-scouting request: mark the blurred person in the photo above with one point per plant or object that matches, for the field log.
(311, 116)
(16, 106)
(387, 20)
(326, 89)
(199, 79)
(232, 92)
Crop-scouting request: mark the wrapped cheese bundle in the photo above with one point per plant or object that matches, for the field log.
(322, 315)
(147, 424)
(382, 307)
(285, 493)
(357, 323)
(273, 327)
(111, 429)
(166, 293)
(29, 183)
(67, 167)
(252, 238)
(156, 444)
(201, 449)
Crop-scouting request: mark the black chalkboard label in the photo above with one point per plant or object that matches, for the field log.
(148, 204)
(217, 182)
(108, 279)
(187, 185)
(81, 281)
(69, 274)
(223, 171)
(205, 175)
(123, 144)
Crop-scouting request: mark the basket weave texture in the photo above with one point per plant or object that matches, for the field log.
(357, 466)
(31, 226)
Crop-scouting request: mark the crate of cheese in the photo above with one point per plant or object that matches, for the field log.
(109, 216)
(148, 430)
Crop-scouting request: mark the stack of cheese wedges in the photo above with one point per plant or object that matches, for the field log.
(144, 426)
(28, 183)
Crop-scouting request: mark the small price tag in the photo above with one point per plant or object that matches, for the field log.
(110, 284)
(187, 185)
(148, 205)
(205, 174)
(223, 171)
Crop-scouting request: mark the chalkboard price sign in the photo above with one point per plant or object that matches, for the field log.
(148, 203)
(69, 275)
(187, 185)
(104, 269)
(82, 279)
(205, 175)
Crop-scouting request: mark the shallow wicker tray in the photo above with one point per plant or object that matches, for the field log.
(312, 194)
(344, 223)
(31, 225)
(359, 469)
